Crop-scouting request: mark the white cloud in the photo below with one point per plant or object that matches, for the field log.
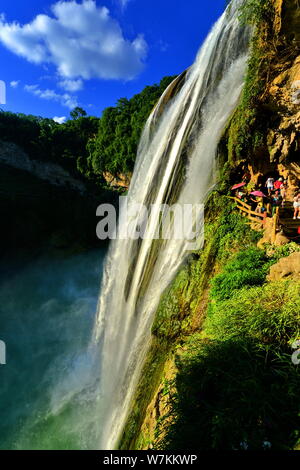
(71, 85)
(80, 39)
(14, 83)
(124, 3)
(64, 99)
(163, 46)
(60, 120)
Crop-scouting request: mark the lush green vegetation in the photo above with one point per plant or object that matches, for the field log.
(45, 140)
(86, 145)
(237, 387)
(115, 146)
(224, 236)
(248, 268)
(254, 12)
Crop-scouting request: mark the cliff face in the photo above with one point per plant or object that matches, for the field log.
(282, 96)
(43, 209)
(12, 155)
(267, 139)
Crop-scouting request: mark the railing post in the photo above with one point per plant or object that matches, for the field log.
(264, 218)
(275, 224)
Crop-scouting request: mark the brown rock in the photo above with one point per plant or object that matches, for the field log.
(267, 237)
(286, 268)
(117, 181)
(281, 240)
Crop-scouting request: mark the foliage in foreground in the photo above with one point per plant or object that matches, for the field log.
(248, 268)
(237, 387)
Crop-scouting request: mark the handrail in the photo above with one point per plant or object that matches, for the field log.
(275, 224)
(246, 208)
(236, 199)
(251, 212)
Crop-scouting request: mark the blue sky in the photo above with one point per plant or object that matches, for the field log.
(59, 54)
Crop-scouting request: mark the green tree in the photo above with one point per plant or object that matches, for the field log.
(115, 146)
(77, 113)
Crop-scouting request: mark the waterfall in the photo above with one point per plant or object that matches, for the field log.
(176, 163)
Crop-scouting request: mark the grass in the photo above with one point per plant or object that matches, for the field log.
(248, 268)
(237, 387)
(232, 395)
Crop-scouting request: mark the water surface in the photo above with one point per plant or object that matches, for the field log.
(48, 392)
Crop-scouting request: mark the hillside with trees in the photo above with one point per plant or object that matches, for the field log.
(86, 145)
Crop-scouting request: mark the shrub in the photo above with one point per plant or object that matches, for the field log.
(230, 396)
(248, 268)
(268, 314)
(238, 389)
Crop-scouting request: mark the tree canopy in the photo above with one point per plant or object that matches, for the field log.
(86, 145)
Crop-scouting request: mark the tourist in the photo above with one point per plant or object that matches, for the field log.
(276, 201)
(278, 184)
(297, 206)
(260, 207)
(283, 192)
(240, 194)
(270, 185)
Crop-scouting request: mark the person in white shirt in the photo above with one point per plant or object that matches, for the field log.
(297, 206)
(270, 185)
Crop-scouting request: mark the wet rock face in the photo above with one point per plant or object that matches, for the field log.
(283, 92)
(284, 97)
(286, 268)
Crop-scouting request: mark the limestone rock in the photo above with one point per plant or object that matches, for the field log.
(267, 237)
(286, 268)
(281, 239)
(284, 100)
(117, 181)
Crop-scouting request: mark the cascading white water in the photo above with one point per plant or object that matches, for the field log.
(176, 164)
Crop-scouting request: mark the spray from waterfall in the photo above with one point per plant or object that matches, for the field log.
(176, 163)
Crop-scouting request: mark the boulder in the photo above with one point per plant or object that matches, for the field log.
(286, 268)
(281, 239)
